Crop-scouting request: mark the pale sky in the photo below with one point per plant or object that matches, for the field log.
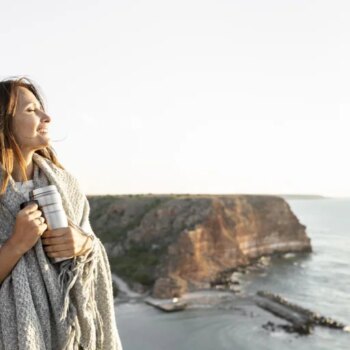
(190, 96)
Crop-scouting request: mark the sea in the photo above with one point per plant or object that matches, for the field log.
(319, 281)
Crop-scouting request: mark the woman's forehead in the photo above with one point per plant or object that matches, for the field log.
(25, 96)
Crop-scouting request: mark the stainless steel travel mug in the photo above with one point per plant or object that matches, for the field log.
(50, 203)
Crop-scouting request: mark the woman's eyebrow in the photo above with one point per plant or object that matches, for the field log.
(36, 104)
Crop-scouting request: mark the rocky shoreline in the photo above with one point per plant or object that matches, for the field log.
(228, 281)
(169, 245)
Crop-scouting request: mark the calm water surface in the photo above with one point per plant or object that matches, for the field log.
(319, 281)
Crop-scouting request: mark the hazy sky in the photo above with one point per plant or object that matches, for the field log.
(195, 96)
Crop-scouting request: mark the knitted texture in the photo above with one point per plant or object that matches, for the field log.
(56, 306)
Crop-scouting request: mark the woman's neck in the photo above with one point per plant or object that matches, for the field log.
(29, 168)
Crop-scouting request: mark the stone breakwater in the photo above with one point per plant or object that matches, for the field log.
(171, 244)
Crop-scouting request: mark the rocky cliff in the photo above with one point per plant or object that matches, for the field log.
(174, 243)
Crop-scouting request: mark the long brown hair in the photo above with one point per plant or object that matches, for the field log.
(9, 148)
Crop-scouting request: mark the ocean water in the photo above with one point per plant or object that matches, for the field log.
(319, 281)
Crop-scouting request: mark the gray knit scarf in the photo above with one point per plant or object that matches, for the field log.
(63, 306)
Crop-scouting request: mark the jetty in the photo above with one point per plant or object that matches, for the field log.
(167, 305)
(302, 320)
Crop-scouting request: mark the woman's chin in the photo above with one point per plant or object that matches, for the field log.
(44, 145)
(47, 140)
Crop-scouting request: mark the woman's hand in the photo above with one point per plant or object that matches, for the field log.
(29, 226)
(66, 242)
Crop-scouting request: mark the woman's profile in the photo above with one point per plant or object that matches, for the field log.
(46, 304)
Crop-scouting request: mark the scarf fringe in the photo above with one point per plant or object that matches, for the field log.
(70, 271)
(72, 343)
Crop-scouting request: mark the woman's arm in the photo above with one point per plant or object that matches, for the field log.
(9, 256)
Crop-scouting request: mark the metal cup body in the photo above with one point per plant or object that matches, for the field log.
(50, 203)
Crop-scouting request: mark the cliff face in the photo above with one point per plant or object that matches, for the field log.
(173, 244)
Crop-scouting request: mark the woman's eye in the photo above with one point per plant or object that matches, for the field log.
(31, 110)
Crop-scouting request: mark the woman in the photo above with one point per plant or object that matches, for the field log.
(46, 305)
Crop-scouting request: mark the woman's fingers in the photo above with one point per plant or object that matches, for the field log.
(58, 247)
(66, 253)
(54, 240)
(58, 232)
(30, 208)
(34, 215)
(42, 229)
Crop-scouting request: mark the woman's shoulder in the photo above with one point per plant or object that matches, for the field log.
(65, 175)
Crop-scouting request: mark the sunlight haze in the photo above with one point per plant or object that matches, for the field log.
(190, 96)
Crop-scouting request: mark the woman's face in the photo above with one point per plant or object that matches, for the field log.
(30, 123)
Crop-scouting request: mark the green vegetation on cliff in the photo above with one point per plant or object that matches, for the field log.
(135, 262)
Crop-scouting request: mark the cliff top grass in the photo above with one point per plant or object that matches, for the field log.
(194, 195)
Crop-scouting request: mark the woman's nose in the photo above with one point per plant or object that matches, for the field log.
(45, 117)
